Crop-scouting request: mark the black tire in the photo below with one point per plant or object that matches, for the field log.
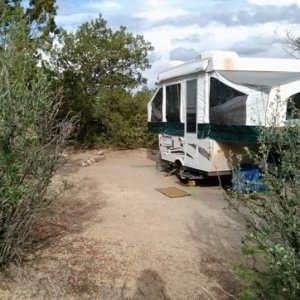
(179, 175)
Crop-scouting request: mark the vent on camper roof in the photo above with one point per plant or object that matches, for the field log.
(213, 54)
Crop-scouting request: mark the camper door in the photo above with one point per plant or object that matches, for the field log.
(191, 155)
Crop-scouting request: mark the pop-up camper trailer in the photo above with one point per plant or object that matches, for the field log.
(205, 108)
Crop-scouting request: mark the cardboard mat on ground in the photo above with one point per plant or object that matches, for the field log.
(173, 192)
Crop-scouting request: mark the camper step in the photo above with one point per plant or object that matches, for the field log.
(191, 176)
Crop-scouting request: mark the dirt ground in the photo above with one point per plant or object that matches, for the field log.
(112, 235)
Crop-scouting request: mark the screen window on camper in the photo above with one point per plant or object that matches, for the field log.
(293, 107)
(156, 114)
(227, 105)
(173, 93)
(191, 105)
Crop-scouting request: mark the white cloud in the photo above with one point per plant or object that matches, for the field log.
(262, 40)
(104, 6)
(274, 2)
(70, 22)
(245, 26)
(157, 15)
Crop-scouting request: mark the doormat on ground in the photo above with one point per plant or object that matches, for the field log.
(173, 192)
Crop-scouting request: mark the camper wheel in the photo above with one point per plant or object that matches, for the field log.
(180, 172)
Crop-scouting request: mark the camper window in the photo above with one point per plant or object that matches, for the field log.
(191, 105)
(227, 105)
(173, 103)
(293, 107)
(156, 113)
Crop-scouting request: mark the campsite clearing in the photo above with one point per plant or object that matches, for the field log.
(112, 235)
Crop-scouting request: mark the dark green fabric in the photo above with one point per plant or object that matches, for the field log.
(203, 130)
(156, 127)
(233, 133)
(169, 128)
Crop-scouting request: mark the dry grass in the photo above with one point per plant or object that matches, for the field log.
(75, 258)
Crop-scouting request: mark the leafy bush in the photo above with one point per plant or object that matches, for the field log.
(273, 217)
(31, 139)
(97, 68)
(122, 120)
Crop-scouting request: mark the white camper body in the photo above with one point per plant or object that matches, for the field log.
(215, 104)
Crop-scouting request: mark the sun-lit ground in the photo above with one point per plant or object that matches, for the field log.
(113, 236)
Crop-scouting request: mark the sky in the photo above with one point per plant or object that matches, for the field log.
(180, 30)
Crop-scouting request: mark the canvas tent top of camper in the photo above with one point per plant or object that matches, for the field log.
(205, 108)
(247, 70)
(224, 96)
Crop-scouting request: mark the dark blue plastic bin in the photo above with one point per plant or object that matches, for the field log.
(247, 179)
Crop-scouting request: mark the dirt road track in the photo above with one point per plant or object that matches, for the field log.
(116, 237)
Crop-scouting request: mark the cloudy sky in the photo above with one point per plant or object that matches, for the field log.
(179, 30)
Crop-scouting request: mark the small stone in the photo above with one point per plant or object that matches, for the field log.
(63, 155)
(191, 183)
(100, 152)
(88, 161)
(92, 159)
(29, 257)
(84, 164)
(99, 158)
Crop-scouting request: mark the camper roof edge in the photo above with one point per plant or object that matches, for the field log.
(192, 67)
(230, 61)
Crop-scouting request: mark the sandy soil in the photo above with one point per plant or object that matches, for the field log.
(113, 236)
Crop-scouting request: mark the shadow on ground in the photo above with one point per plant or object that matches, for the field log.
(217, 254)
(72, 213)
(150, 286)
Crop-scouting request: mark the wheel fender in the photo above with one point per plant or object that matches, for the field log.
(179, 161)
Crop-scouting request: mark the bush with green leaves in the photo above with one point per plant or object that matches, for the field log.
(273, 217)
(122, 118)
(98, 68)
(31, 140)
(37, 14)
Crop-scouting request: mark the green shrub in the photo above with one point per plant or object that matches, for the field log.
(273, 218)
(31, 140)
(123, 119)
(97, 68)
